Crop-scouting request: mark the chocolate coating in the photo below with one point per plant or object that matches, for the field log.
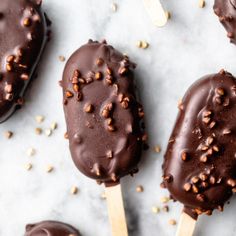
(51, 228)
(23, 35)
(200, 161)
(102, 113)
(226, 11)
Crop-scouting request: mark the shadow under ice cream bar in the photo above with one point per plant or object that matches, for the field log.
(51, 228)
(200, 161)
(226, 11)
(103, 119)
(23, 35)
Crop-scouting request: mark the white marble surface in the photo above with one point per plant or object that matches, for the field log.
(191, 45)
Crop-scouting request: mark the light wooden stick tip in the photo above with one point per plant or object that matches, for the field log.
(186, 225)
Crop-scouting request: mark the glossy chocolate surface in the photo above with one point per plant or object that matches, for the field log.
(102, 113)
(226, 11)
(51, 228)
(200, 161)
(23, 34)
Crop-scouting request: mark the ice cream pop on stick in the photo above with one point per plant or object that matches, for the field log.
(200, 161)
(103, 120)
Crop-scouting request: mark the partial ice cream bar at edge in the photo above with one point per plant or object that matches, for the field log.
(200, 161)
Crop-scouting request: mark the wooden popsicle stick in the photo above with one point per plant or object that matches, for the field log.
(156, 12)
(186, 225)
(116, 210)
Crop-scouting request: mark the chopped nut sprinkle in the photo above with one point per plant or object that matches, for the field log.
(139, 189)
(202, 3)
(66, 135)
(27, 22)
(155, 209)
(31, 152)
(165, 199)
(74, 190)
(39, 119)
(157, 149)
(145, 44)
(142, 44)
(114, 7)
(139, 44)
(103, 195)
(8, 134)
(53, 125)
(38, 131)
(168, 15)
(88, 108)
(28, 166)
(62, 58)
(172, 222)
(49, 168)
(48, 132)
(187, 187)
(165, 208)
(180, 104)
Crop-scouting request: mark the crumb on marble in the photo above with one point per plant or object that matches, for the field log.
(155, 209)
(62, 58)
(74, 190)
(53, 125)
(39, 118)
(48, 132)
(202, 3)
(8, 134)
(142, 44)
(168, 15)
(28, 166)
(157, 149)
(49, 168)
(172, 222)
(164, 199)
(139, 189)
(114, 7)
(38, 130)
(31, 152)
(103, 195)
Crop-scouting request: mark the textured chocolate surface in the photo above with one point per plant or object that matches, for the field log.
(200, 161)
(51, 228)
(23, 34)
(226, 11)
(102, 113)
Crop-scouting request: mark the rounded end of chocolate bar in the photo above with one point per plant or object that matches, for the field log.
(226, 11)
(102, 112)
(200, 161)
(50, 228)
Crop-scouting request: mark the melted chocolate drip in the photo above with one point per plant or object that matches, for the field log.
(200, 161)
(51, 228)
(23, 35)
(226, 11)
(102, 113)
